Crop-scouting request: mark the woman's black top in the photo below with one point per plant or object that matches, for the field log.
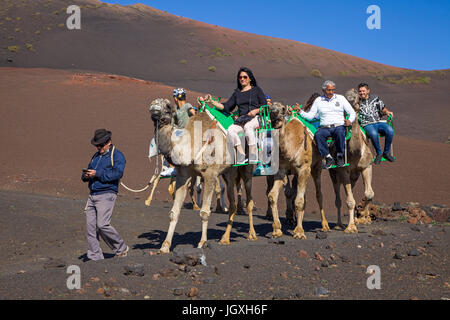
(245, 101)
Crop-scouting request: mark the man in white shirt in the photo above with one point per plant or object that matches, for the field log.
(330, 109)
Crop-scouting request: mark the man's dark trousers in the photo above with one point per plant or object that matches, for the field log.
(338, 135)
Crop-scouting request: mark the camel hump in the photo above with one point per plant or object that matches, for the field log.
(203, 117)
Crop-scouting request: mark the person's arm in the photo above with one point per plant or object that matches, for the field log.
(189, 109)
(349, 109)
(114, 173)
(209, 100)
(312, 113)
(230, 105)
(384, 109)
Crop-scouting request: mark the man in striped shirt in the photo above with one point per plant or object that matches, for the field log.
(371, 108)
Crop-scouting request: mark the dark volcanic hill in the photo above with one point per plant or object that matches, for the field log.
(145, 43)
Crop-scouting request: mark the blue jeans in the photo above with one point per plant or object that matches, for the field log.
(382, 128)
(338, 135)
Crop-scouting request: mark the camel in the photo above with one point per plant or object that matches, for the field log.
(175, 145)
(298, 155)
(360, 159)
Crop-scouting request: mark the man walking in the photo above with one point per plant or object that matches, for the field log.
(103, 174)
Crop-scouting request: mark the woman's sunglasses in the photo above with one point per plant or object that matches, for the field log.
(243, 77)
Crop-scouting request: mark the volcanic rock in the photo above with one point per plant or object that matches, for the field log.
(134, 270)
(187, 255)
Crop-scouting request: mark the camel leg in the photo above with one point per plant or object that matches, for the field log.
(209, 185)
(368, 196)
(229, 181)
(248, 193)
(155, 184)
(198, 187)
(222, 197)
(317, 178)
(192, 187)
(171, 188)
(180, 194)
(300, 201)
(290, 196)
(240, 204)
(351, 228)
(337, 193)
(219, 197)
(273, 198)
(269, 181)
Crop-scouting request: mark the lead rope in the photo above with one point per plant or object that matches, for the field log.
(157, 171)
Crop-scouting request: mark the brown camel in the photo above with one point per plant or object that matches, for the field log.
(175, 145)
(298, 155)
(360, 159)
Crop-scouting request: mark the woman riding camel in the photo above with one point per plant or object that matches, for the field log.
(248, 98)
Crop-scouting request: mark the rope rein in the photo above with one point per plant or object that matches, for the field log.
(156, 172)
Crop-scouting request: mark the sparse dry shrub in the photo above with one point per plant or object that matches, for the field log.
(316, 73)
(13, 48)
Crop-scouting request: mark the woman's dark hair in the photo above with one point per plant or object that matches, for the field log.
(250, 75)
(310, 101)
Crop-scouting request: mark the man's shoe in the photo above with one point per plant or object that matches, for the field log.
(378, 159)
(123, 254)
(340, 162)
(388, 157)
(329, 162)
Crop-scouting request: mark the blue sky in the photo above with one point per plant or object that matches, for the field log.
(414, 34)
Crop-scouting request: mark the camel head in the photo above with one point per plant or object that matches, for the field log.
(353, 97)
(278, 112)
(161, 110)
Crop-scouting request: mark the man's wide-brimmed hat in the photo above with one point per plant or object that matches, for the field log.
(101, 136)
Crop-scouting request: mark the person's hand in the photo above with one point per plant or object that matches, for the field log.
(390, 114)
(253, 112)
(208, 98)
(297, 107)
(347, 123)
(90, 173)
